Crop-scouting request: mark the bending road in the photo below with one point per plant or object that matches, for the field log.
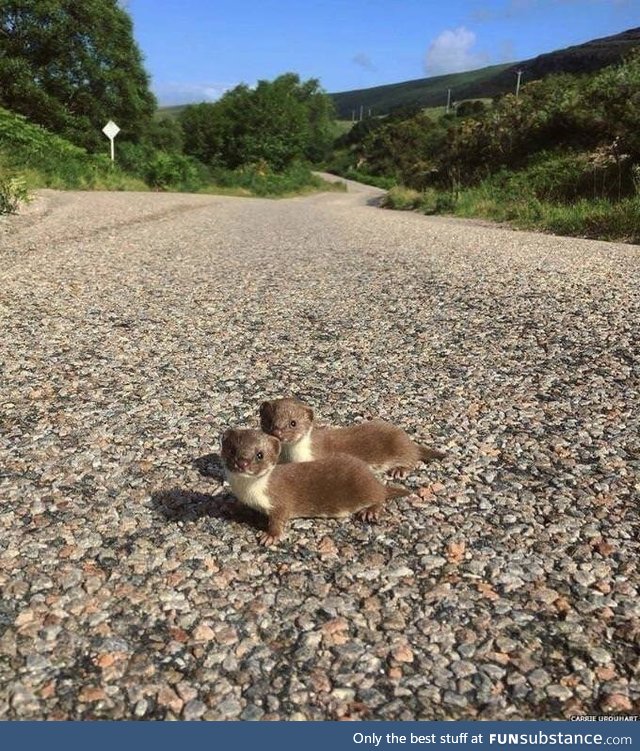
(136, 327)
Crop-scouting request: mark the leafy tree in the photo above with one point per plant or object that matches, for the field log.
(276, 123)
(166, 134)
(320, 114)
(360, 130)
(405, 149)
(471, 108)
(71, 66)
(204, 128)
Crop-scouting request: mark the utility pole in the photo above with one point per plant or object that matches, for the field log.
(353, 116)
(361, 110)
(369, 111)
(519, 72)
(448, 99)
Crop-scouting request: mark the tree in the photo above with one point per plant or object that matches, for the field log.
(166, 134)
(277, 123)
(471, 108)
(70, 66)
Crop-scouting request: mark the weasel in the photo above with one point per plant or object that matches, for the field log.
(332, 487)
(381, 445)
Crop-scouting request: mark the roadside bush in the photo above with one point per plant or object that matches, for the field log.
(402, 199)
(47, 160)
(386, 183)
(259, 180)
(13, 192)
(604, 219)
(166, 170)
(278, 122)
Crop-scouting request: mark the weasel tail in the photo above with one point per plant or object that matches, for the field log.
(395, 491)
(426, 453)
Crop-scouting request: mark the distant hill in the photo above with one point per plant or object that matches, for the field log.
(487, 82)
(172, 111)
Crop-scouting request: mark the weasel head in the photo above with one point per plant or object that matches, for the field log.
(249, 452)
(289, 420)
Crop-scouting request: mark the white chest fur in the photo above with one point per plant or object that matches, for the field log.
(298, 452)
(251, 490)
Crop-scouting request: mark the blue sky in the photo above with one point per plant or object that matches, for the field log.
(195, 49)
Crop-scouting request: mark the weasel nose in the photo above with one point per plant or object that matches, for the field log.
(242, 463)
(277, 433)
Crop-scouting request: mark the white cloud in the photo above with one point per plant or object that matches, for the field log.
(364, 61)
(170, 92)
(452, 51)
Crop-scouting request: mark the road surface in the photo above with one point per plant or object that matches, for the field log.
(137, 327)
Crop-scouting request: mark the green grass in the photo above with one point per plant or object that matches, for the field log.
(435, 113)
(44, 160)
(32, 157)
(343, 126)
(599, 218)
(428, 92)
(172, 111)
(349, 173)
(553, 193)
(13, 192)
(259, 181)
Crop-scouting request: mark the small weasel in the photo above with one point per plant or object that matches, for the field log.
(381, 445)
(333, 487)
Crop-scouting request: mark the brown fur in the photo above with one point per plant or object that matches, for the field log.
(335, 486)
(378, 443)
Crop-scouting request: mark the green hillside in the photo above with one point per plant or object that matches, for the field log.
(487, 82)
(171, 112)
(427, 92)
(44, 159)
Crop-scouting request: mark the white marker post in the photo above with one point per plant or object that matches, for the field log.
(111, 130)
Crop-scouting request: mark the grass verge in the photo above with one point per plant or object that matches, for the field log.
(32, 157)
(257, 180)
(598, 219)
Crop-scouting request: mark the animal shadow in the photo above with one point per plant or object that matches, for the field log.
(210, 465)
(176, 504)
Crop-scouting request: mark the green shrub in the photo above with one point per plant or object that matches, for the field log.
(402, 199)
(602, 219)
(574, 136)
(165, 171)
(277, 122)
(445, 202)
(428, 201)
(50, 161)
(386, 183)
(13, 192)
(259, 180)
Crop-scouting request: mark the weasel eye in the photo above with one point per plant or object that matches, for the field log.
(259, 456)
(293, 423)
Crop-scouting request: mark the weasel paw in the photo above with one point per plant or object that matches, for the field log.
(371, 514)
(264, 538)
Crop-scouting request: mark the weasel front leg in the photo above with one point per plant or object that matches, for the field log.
(275, 529)
(370, 513)
(398, 472)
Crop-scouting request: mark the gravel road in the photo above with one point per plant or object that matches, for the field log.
(136, 327)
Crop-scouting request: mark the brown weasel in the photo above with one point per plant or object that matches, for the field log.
(381, 445)
(333, 487)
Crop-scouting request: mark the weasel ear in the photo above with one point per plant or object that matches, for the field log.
(275, 445)
(265, 411)
(226, 436)
(309, 412)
